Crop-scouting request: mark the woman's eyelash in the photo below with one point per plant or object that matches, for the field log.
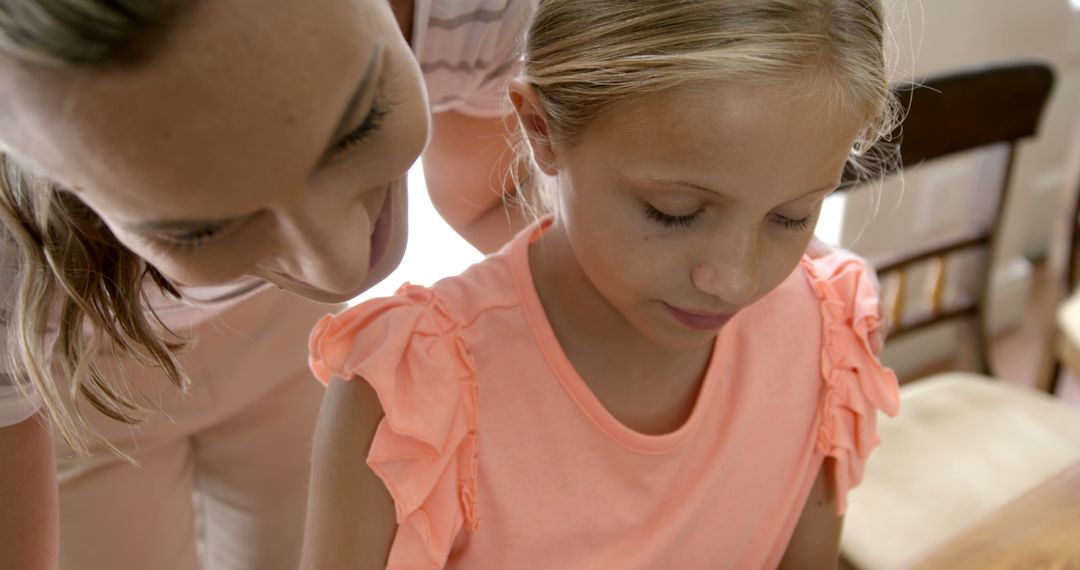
(800, 225)
(193, 240)
(356, 136)
(669, 221)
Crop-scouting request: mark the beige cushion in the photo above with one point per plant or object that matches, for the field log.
(962, 446)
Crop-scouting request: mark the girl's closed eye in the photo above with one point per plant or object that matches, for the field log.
(671, 220)
(358, 135)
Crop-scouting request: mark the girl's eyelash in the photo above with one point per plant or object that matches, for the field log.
(669, 221)
(800, 225)
(356, 136)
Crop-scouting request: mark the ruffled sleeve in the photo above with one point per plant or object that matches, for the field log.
(411, 350)
(856, 383)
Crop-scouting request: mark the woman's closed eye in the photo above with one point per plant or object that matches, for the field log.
(192, 240)
(364, 130)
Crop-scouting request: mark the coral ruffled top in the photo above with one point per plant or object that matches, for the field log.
(498, 456)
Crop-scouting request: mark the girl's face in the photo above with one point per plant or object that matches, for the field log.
(255, 140)
(683, 207)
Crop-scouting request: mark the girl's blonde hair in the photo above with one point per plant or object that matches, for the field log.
(71, 272)
(585, 56)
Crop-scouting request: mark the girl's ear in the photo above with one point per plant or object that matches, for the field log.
(534, 121)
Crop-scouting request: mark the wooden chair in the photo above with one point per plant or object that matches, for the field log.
(964, 443)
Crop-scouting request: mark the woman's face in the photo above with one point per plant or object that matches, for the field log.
(251, 141)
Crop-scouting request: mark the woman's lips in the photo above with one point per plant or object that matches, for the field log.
(698, 320)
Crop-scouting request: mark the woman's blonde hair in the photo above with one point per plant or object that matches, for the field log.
(71, 272)
(583, 57)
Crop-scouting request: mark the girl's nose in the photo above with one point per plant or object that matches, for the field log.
(730, 274)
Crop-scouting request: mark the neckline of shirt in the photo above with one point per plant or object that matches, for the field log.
(572, 382)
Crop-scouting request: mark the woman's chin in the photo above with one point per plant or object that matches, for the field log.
(380, 271)
(388, 241)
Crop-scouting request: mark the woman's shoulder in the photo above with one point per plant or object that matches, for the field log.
(467, 49)
(475, 24)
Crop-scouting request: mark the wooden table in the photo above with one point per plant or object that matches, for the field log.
(1039, 530)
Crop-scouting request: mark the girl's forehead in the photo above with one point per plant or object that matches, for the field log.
(732, 111)
(728, 138)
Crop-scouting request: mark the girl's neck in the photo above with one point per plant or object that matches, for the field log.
(611, 356)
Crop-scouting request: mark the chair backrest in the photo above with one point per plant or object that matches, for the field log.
(1072, 268)
(946, 115)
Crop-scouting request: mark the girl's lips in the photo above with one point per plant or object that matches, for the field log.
(698, 320)
(380, 235)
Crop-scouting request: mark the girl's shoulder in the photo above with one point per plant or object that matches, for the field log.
(411, 348)
(824, 317)
(856, 386)
(845, 289)
(825, 285)
(417, 322)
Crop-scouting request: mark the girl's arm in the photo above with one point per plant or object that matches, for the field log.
(350, 521)
(816, 542)
(466, 165)
(28, 499)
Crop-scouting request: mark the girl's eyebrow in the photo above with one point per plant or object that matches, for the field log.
(692, 186)
(367, 82)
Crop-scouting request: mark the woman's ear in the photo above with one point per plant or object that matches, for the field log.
(534, 121)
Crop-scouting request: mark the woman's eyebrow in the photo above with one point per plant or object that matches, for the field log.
(367, 82)
(177, 226)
